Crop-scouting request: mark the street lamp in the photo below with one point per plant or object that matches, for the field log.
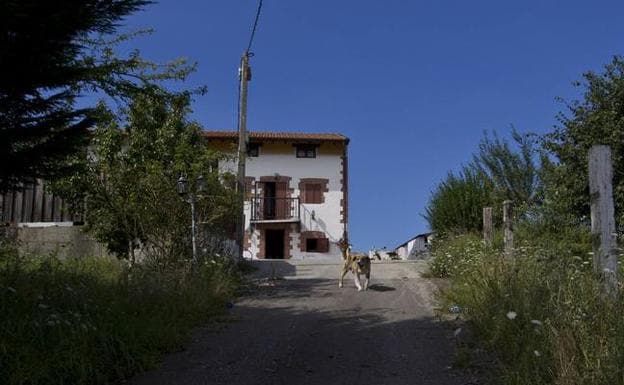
(192, 197)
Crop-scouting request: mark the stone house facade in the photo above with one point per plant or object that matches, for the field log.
(296, 202)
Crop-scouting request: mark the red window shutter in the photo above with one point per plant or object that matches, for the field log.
(323, 245)
(313, 193)
(317, 193)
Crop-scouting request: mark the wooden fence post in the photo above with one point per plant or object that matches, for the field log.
(487, 225)
(604, 237)
(508, 227)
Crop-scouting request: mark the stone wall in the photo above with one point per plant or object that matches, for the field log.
(62, 240)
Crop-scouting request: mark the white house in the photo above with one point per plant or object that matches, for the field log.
(416, 248)
(297, 192)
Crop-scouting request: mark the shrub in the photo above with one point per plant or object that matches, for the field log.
(97, 320)
(542, 311)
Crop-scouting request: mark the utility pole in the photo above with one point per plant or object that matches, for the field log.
(244, 74)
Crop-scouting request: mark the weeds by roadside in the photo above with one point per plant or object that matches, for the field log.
(542, 312)
(97, 320)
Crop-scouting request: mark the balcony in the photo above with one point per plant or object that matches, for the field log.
(275, 210)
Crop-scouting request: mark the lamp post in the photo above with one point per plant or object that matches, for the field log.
(192, 197)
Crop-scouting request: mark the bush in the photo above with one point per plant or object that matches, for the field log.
(97, 320)
(542, 312)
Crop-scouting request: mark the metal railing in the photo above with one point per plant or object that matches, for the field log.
(270, 209)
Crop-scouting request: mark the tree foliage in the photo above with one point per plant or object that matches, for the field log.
(129, 179)
(514, 173)
(596, 119)
(497, 172)
(456, 203)
(51, 52)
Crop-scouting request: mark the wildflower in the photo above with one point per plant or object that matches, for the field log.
(536, 322)
(12, 290)
(512, 315)
(455, 309)
(457, 331)
(537, 353)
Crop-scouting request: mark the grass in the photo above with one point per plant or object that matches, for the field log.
(96, 320)
(542, 312)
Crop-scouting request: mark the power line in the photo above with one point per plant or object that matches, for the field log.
(255, 25)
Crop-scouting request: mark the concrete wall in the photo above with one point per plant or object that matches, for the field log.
(61, 239)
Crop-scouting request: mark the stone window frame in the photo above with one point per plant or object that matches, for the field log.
(319, 235)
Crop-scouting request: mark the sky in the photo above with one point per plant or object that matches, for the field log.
(413, 84)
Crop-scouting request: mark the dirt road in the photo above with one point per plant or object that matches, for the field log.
(303, 329)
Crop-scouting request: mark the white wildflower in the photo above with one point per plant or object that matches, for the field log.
(457, 331)
(12, 290)
(512, 315)
(537, 353)
(536, 322)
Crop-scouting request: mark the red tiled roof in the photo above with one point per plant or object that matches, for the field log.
(281, 136)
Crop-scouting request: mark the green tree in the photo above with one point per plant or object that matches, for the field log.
(51, 52)
(514, 173)
(596, 119)
(457, 202)
(128, 179)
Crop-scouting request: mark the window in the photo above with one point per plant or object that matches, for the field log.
(317, 245)
(312, 193)
(306, 151)
(253, 150)
(312, 190)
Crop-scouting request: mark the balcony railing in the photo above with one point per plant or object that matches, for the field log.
(275, 209)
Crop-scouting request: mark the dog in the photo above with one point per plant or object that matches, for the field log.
(357, 263)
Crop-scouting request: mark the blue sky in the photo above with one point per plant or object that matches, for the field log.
(414, 84)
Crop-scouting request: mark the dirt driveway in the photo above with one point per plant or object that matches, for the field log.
(303, 329)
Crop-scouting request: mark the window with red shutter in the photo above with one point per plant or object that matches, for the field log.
(323, 245)
(312, 193)
(317, 245)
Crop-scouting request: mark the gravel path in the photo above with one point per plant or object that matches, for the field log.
(303, 329)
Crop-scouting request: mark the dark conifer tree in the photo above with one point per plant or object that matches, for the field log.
(43, 69)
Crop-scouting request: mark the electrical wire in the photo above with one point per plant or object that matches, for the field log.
(249, 54)
(255, 25)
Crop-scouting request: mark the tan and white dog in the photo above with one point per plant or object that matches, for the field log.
(357, 263)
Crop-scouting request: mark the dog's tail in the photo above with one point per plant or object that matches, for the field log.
(346, 252)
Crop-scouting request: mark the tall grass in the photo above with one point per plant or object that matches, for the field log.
(96, 320)
(542, 312)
